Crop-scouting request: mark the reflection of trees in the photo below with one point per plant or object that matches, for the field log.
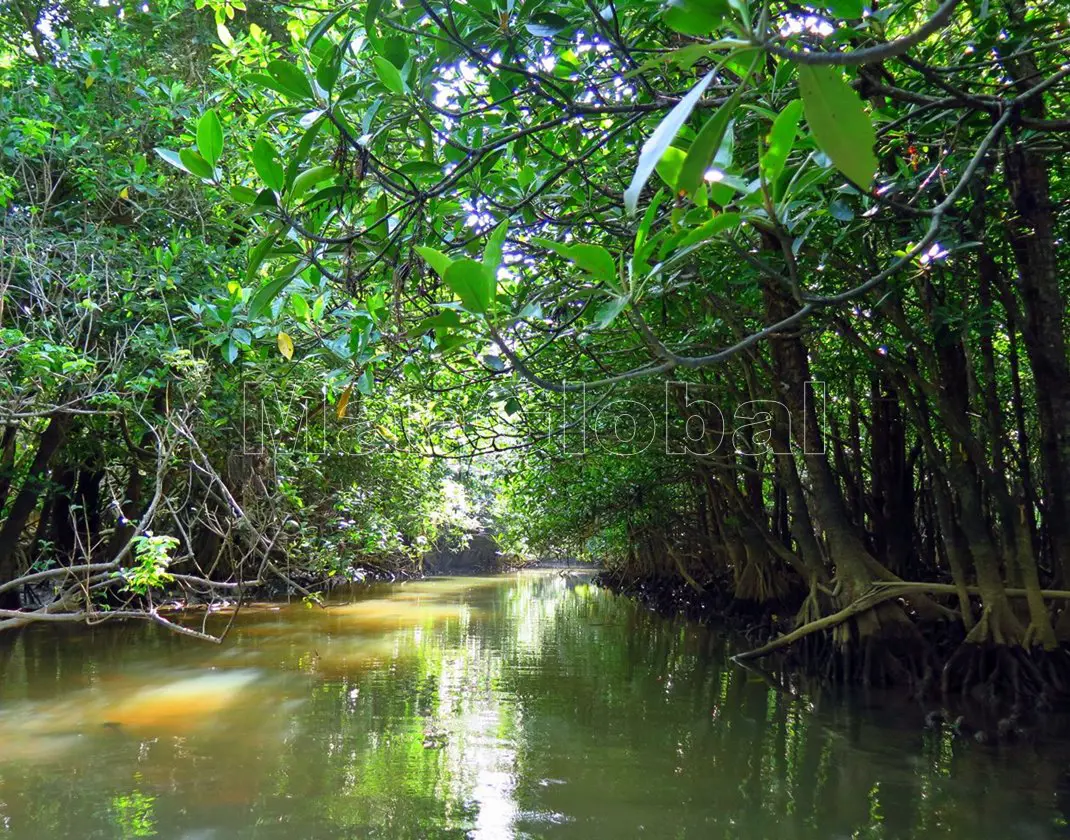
(659, 718)
(134, 815)
(543, 706)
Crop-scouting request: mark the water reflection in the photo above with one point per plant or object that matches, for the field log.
(527, 706)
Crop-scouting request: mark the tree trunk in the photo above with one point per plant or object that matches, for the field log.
(7, 463)
(26, 501)
(1033, 239)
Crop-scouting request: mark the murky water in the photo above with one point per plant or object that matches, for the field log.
(533, 705)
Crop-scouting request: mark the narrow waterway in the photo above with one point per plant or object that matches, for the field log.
(529, 705)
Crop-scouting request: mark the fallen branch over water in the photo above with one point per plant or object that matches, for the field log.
(17, 618)
(877, 594)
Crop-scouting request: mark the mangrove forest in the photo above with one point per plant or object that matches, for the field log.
(747, 317)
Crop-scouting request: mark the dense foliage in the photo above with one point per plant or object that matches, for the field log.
(138, 455)
(613, 246)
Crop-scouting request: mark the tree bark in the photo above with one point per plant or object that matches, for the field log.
(26, 501)
(1033, 240)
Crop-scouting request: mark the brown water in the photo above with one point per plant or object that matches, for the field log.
(532, 705)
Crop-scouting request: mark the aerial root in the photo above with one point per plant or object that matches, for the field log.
(1006, 674)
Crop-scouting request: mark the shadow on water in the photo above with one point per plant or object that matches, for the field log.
(530, 705)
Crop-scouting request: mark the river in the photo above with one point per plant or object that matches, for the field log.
(528, 705)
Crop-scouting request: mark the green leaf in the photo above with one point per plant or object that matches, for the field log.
(329, 67)
(670, 165)
(324, 24)
(661, 139)
(839, 122)
(421, 169)
(268, 165)
(243, 194)
(696, 17)
(395, 50)
(445, 321)
(608, 311)
(309, 178)
(268, 82)
(210, 136)
(723, 189)
(839, 209)
(196, 164)
(268, 292)
(266, 199)
(845, 9)
(704, 148)
(172, 158)
(305, 146)
(594, 259)
(290, 78)
(389, 75)
(473, 283)
(492, 254)
(721, 222)
(257, 256)
(370, 14)
(781, 140)
(546, 24)
(647, 222)
(436, 259)
(365, 382)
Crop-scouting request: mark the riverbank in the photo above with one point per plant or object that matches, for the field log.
(980, 714)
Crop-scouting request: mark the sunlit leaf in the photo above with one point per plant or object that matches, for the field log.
(661, 139)
(594, 259)
(721, 222)
(290, 78)
(389, 75)
(286, 345)
(781, 140)
(845, 9)
(705, 146)
(669, 166)
(268, 165)
(839, 122)
(210, 136)
(492, 254)
(473, 283)
(343, 402)
(436, 259)
(243, 194)
(196, 164)
(172, 158)
(696, 17)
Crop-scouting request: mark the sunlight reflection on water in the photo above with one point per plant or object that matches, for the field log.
(527, 705)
